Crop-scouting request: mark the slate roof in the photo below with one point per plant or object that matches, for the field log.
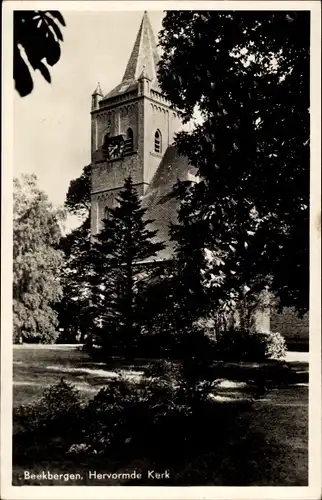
(121, 88)
(160, 206)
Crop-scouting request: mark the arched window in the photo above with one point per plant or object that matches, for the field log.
(157, 142)
(129, 141)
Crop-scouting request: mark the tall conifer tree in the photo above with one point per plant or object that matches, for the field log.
(120, 252)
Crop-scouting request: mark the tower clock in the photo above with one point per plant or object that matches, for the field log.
(113, 147)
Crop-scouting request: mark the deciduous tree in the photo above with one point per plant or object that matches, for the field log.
(74, 310)
(248, 74)
(37, 263)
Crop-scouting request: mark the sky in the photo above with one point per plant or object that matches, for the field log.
(52, 128)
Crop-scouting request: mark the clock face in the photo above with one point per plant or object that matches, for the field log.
(116, 150)
(115, 147)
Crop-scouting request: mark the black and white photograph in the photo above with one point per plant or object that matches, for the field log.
(161, 313)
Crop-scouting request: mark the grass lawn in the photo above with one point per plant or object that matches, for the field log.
(273, 453)
(39, 366)
(286, 436)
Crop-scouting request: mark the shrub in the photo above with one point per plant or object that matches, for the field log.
(127, 414)
(275, 345)
(165, 343)
(166, 408)
(237, 345)
(56, 412)
(80, 449)
(47, 428)
(161, 413)
(138, 421)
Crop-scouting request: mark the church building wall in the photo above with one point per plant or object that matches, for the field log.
(158, 117)
(116, 121)
(293, 327)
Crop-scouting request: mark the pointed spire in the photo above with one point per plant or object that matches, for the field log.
(98, 90)
(144, 56)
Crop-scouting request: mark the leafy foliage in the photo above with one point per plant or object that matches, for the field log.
(37, 34)
(78, 198)
(198, 289)
(143, 415)
(37, 262)
(74, 308)
(248, 75)
(239, 345)
(119, 277)
(60, 399)
(50, 423)
(176, 296)
(275, 345)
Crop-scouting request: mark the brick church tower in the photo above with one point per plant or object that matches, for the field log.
(132, 127)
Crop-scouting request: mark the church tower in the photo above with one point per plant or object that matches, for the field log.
(132, 127)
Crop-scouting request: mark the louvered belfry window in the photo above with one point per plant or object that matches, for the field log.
(157, 142)
(105, 145)
(128, 141)
(106, 213)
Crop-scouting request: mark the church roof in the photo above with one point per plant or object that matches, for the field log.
(144, 58)
(161, 207)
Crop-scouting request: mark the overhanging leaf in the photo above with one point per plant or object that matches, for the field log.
(57, 15)
(44, 71)
(55, 28)
(53, 52)
(21, 75)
